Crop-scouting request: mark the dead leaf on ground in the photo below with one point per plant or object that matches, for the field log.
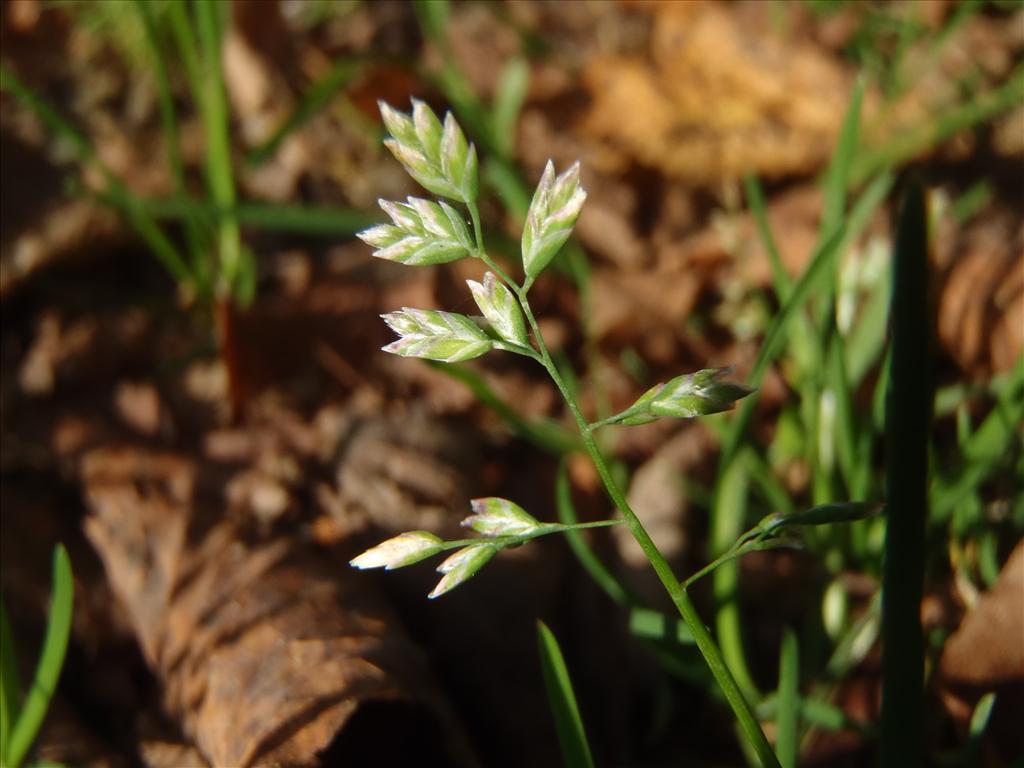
(266, 652)
(986, 653)
(717, 99)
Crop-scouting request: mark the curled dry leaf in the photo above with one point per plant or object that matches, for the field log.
(265, 651)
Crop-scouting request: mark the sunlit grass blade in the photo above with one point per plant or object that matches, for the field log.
(787, 721)
(908, 422)
(51, 660)
(512, 87)
(837, 176)
(219, 173)
(568, 724)
(313, 101)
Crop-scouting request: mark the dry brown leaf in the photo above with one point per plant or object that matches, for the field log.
(717, 99)
(265, 651)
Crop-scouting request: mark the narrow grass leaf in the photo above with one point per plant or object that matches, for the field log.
(10, 687)
(579, 546)
(775, 339)
(512, 87)
(51, 660)
(727, 522)
(548, 435)
(787, 719)
(781, 280)
(219, 173)
(320, 93)
(837, 178)
(908, 421)
(568, 724)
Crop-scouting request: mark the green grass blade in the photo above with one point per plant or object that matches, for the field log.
(51, 660)
(759, 209)
(847, 432)
(728, 517)
(512, 88)
(987, 448)
(562, 699)
(908, 422)
(219, 173)
(182, 31)
(117, 194)
(863, 347)
(590, 562)
(197, 245)
(915, 140)
(267, 217)
(838, 174)
(788, 718)
(775, 340)
(549, 436)
(10, 687)
(315, 99)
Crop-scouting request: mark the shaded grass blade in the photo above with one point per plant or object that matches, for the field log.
(549, 436)
(10, 688)
(593, 566)
(51, 660)
(316, 98)
(169, 125)
(727, 522)
(268, 217)
(117, 194)
(562, 699)
(918, 139)
(787, 720)
(781, 280)
(908, 420)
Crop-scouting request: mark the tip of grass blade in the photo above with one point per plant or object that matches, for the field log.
(568, 723)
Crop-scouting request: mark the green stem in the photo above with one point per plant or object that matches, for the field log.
(677, 592)
(522, 538)
(709, 650)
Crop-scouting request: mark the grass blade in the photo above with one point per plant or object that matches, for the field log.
(781, 280)
(728, 516)
(787, 719)
(51, 660)
(267, 217)
(568, 723)
(219, 174)
(917, 139)
(512, 88)
(10, 688)
(316, 98)
(547, 435)
(117, 194)
(590, 562)
(838, 174)
(908, 421)
(197, 244)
